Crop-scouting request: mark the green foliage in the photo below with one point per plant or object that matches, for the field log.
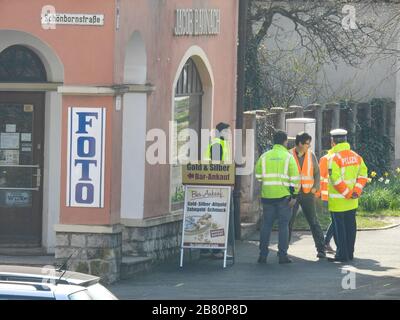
(375, 149)
(382, 193)
(376, 199)
(372, 144)
(179, 195)
(253, 84)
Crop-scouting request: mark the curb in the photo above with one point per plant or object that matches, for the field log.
(253, 229)
(383, 228)
(364, 229)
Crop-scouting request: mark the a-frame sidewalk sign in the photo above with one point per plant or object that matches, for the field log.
(208, 220)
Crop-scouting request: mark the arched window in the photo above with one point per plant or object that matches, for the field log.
(187, 115)
(189, 82)
(20, 64)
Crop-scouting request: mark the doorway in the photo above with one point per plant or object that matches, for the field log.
(21, 165)
(21, 150)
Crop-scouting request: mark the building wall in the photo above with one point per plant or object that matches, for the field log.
(155, 19)
(71, 56)
(87, 57)
(82, 49)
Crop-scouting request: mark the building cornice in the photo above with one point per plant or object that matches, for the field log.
(73, 90)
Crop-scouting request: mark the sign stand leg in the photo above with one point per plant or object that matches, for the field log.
(225, 251)
(181, 263)
(232, 228)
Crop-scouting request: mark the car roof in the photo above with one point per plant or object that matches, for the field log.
(37, 290)
(23, 273)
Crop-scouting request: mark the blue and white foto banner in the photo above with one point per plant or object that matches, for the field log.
(86, 153)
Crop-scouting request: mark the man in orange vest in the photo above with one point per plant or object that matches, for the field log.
(310, 183)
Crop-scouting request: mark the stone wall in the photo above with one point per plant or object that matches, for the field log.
(96, 254)
(159, 242)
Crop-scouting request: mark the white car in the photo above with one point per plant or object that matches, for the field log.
(34, 283)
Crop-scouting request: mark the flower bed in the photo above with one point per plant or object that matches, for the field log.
(382, 192)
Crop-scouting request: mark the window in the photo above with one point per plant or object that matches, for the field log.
(187, 115)
(20, 64)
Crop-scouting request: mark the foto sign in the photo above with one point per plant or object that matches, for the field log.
(86, 154)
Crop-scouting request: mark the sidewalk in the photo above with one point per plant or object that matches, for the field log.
(377, 268)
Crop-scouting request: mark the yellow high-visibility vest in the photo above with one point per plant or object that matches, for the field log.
(278, 171)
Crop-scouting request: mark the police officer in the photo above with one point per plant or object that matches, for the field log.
(278, 172)
(348, 175)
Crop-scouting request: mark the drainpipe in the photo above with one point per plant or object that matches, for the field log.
(243, 9)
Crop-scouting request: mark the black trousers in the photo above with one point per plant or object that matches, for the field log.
(345, 226)
(307, 203)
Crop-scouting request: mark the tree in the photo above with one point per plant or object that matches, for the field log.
(287, 78)
(325, 29)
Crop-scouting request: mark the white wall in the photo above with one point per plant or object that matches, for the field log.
(52, 169)
(133, 155)
(134, 130)
(135, 69)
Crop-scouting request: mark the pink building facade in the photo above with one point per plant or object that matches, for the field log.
(83, 85)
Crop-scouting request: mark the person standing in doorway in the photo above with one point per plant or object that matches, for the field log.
(308, 167)
(278, 172)
(348, 175)
(219, 151)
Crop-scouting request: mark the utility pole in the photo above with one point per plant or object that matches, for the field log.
(243, 11)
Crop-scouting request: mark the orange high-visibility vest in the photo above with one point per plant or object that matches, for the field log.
(306, 172)
(324, 174)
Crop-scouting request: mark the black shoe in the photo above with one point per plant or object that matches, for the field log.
(321, 255)
(284, 259)
(262, 259)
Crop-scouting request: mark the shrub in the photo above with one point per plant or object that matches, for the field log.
(382, 193)
(376, 199)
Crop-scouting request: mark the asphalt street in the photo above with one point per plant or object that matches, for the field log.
(374, 274)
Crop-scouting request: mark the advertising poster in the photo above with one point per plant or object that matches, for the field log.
(9, 157)
(19, 199)
(9, 140)
(206, 217)
(208, 173)
(86, 157)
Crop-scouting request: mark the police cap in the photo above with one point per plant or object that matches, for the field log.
(339, 133)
